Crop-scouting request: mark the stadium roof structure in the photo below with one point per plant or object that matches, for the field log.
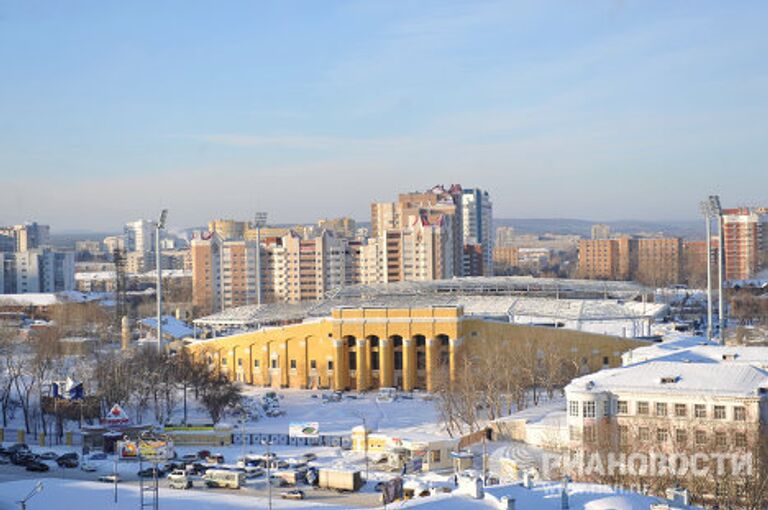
(490, 297)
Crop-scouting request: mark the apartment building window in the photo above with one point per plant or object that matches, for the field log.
(589, 409)
(662, 435)
(721, 440)
(644, 434)
(573, 408)
(740, 440)
(700, 411)
(701, 437)
(719, 412)
(622, 407)
(740, 413)
(681, 436)
(574, 433)
(681, 410)
(661, 409)
(642, 408)
(623, 434)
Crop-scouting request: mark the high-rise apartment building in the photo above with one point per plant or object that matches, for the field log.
(477, 222)
(601, 231)
(505, 237)
(656, 261)
(140, 236)
(37, 270)
(659, 261)
(745, 238)
(28, 236)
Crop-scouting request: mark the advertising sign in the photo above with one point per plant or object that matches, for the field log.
(304, 429)
(155, 449)
(116, 416)
(127, 449)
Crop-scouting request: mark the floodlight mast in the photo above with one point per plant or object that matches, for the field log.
(158, 266)
(717, 210)
(705, 208)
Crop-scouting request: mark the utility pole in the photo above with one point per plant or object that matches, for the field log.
(259, 220)
(268, 443)
(160, 226)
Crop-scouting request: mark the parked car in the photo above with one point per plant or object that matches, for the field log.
(294, 494)
(189, 458)
(150, 472)
(178, 479)
(22, 458)
(70, 455)
(309, 456)
(97, 456)
(88, 467)
(49, 456)
(109, 478)
(17, 448)
(203, 454)
(36, 465)
(215, 458)
(67, 462)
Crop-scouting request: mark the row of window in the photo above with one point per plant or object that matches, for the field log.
(662, 435)
(661, 409)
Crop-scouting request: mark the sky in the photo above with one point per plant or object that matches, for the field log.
(604, 110)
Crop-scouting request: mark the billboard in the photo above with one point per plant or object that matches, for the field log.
(156, 449)
(304, 429)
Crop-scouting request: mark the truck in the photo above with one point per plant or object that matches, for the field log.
(224, 479)
(178, 479)
(341, 480)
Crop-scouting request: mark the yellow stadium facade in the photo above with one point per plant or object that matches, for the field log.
(367, 348)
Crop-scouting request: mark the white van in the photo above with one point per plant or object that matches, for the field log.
(224, 479)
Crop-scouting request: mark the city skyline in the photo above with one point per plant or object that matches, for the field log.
(603, 111)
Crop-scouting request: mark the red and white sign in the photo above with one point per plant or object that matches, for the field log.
(116, 416)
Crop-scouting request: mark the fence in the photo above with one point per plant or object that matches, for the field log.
(257, 438)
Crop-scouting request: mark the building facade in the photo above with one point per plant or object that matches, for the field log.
(367, 348)
(745, 239)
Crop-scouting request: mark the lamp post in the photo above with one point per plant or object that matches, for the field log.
(259, 220)
(160, 226)
(717, 210)
(268, 443)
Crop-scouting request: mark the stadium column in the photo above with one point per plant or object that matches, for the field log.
(284, 366)
(265, 368)
(386, 370)
(409, 364)
(338, 365)
(454, 344)
(431, 355)
(362, 365)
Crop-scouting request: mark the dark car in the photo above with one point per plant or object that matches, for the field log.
(67, 462)
(37, 466)
(69, 455)
(150, 472)
(17, 448)
(22, 458)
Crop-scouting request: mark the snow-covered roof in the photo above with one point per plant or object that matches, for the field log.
(676, 377)
(663, 348)
(171, 326)
(46, 299)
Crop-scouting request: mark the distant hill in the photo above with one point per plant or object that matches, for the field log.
(569, 226)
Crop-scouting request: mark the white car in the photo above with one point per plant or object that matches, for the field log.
(88, 467)
(109, 478)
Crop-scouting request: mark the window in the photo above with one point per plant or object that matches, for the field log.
(353, 361)
(275, 363)
(740, 440)
(623, 434)
(700, 411)
(681, 410)
(256, 363)
(224, 361)
(622, 407)
(434, 456)
(573, 408)
(374, 360)
(643, 434)
(398, 360)
(590, 434)
(681, 436)
(740, 413)
(701, 437)
(313, 364)
(661, 409)
(606, 361)
(589, 409)
(330, 365)
(662, 435)
(642, 408)
(574, 433)
(721, 440)
(293, 364)
(239, 362)
(719, 412)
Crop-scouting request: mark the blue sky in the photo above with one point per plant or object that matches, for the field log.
(595, 109)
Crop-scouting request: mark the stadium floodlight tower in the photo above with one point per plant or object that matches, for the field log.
(717, 212)
(706, 210)
(160, 226)
(259, 221)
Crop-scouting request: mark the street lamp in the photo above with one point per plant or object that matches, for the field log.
(160, 226)
(38, 488)
(268, 443)
(259, 220)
